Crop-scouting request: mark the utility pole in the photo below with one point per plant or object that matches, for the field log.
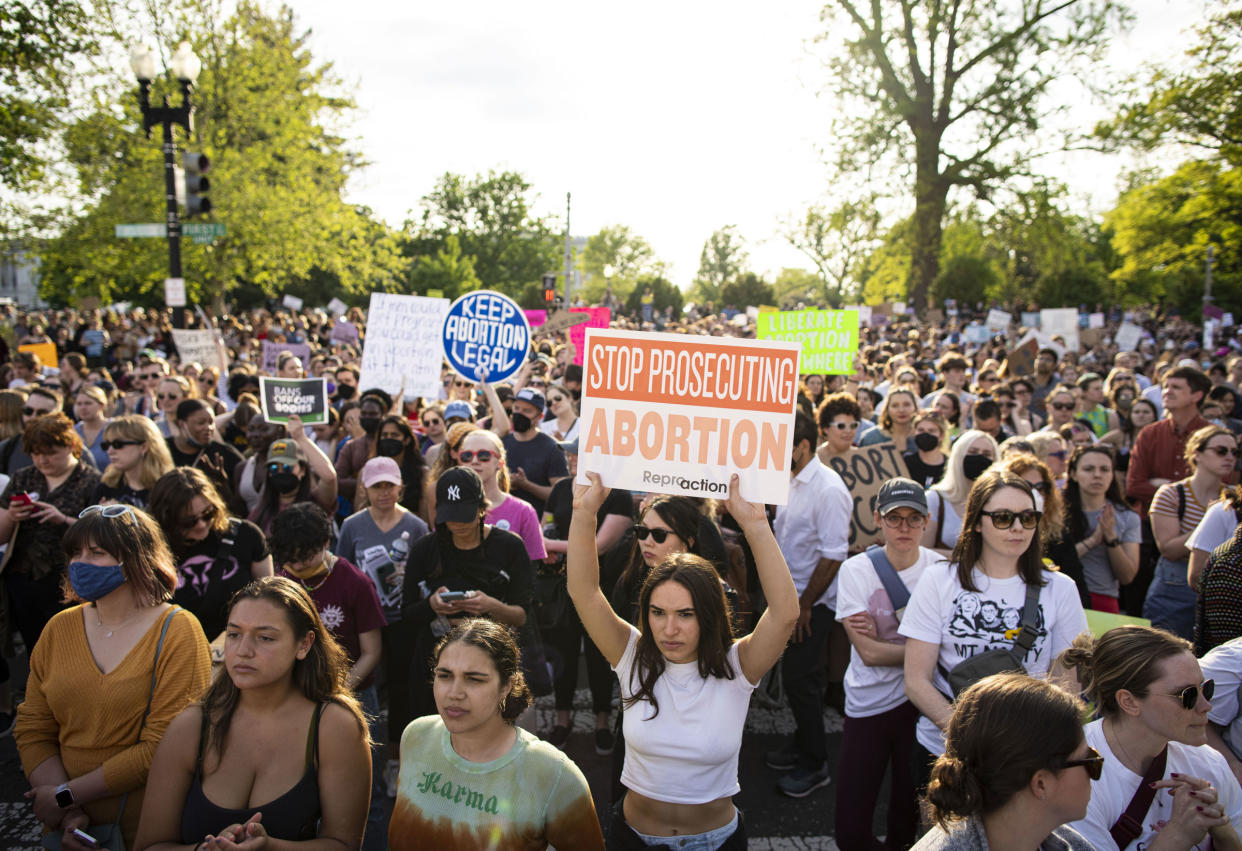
(569, 260)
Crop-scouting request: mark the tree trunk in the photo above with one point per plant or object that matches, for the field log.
(930, 194)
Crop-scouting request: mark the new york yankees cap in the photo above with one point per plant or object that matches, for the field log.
(459, 494)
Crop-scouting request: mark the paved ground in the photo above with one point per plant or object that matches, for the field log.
(773, 821)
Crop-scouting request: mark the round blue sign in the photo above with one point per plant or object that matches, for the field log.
(486, 333)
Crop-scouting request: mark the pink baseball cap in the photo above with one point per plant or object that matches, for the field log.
(380, 469)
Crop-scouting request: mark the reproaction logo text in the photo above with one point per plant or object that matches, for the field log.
(660, 480)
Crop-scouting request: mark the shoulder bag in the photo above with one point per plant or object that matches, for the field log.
(969, 671)
(1129, 825)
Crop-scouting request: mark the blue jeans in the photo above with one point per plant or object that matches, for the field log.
(376, 836)
(1170, 602)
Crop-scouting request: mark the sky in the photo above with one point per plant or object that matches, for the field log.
(673, 118)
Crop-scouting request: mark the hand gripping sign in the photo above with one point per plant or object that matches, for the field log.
(486, 333)
(672, 414)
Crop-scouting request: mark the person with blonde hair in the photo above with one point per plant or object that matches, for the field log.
(972, 453)
(11, 404)
(1051, 449)
(171, 391)
(137, 457)
(484, 452)
(90, 406)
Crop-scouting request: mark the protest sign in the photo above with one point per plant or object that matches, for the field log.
(864, 469)
(1211, 311)
(998, 320)
(1095, 320)
(46, 352)
(536, 317)
(600, 317)
(1090, 337)
(752, 312)
(403, 345)
(196, 345)
(828, 338)
(1063, 322)
(344, 331)
(271, 355)
(1021, 359)
(1226, 321)
(977, 333)
(306, 397)
(337, 307)
(674, 414)
(1030, 320)
(1128, 337)
(174, 292)
(559, 320)
(90, 302)
(292, 302)
(486, 332)
(899, 308)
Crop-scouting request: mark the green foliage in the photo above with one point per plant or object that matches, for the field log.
(835, 241)
(490, 215)
(723, 259)
(665, 292)
(1161, 231)
(966, 278)
(795, 285)
(448, 270)
(746, 290)
(616, 257)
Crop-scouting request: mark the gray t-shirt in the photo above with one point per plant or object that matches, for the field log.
(1095, 566)
(358, 542)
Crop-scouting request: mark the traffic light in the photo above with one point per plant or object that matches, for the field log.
(549, 289)
(196, 183)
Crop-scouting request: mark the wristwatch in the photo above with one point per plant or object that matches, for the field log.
(1115, 542)
(64, 796)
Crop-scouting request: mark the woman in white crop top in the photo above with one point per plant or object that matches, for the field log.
(685, 682)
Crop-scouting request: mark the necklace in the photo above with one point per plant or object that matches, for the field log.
(1124, 752)
(108, 631)
(327, 574)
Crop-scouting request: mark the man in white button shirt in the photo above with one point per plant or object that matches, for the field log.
(813, 532)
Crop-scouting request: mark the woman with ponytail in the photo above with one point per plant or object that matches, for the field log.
(1015, 769)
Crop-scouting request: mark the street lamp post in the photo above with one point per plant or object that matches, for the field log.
(185, 65)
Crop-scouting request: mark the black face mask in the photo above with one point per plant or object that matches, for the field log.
(974, 465)
(369, 424)
(389, 446)
(345, 391)
(926, 442)
(284, 482)
(521, 422)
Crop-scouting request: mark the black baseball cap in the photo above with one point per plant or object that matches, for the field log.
(901, 493)
(459, 495)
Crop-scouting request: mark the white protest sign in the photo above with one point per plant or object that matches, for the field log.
(1226, 321)
(977, 333)
(1128, 337)
(195, 345)
(998, 320)
(337, 307)
(667, 413)
(1061, 321)
(403, 344)
(1095, 320)
(174, 292)
(899, 308)
(292, 302)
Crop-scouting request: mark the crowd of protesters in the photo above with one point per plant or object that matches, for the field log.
(265, 592)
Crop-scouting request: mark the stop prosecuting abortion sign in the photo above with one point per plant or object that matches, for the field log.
(679, 415)
(486, 332)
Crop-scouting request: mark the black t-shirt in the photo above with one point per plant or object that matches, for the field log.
(499, 568)
(561, 506)
(221, 455)
(211, 571)
(542, 459)
(925, 474)
(122, 493)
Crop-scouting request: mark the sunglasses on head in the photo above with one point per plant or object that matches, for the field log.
(1003, 518)
(661, 535)
(109, 511)
(1092, 762)
(105, 445)
(1222, 451)
(468, 455)
(1189, 696)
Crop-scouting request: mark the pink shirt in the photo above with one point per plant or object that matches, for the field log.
(516, 516)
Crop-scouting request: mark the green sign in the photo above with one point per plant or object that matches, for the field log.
(139, 231)
(829, 338)
(201, 232)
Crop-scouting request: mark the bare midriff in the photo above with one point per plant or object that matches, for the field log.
(663, 818)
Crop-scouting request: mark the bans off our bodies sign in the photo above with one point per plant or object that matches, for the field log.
(284, 397)
(670, 414)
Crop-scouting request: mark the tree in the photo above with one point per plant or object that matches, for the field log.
(745, 291)
(723, 259)
(796, 285)
(490, 215)
(835, 241)
(615, 257)
(954, 94)
(448, 270)
(665, 292)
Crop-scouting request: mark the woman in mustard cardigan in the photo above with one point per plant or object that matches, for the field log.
(81, 735)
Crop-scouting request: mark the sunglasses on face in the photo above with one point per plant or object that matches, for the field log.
(468, 455)
(462, 384)
(152, 377)
(430, 423)
(661, 535)
(34, 412)
(206, 517)
(279, 468)
(1222, 451)
(169, 395)
(555, 399)
(843, 426)
(538, 385)
(1003, 519)
(1060, 453)
(1189, 696)
(105, 445)
(1092, 762)
(1063, 406)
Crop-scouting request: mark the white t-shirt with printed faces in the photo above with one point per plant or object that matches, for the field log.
(1224, 665)
(1111, 794)
(872, 690)
(965, 623)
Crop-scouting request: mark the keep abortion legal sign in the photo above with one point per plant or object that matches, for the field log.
(667, 413)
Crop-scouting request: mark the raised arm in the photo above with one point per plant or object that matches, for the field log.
(609, 632)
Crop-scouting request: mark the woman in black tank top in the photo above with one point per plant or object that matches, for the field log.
(225, 767)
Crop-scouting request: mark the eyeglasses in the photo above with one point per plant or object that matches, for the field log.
(109, 511)
(430, 423)
(1060, 453)
(1003, 519)
(168, 395)
(206, 517)
(843, 426)
(1189, 696)
(555, 399)
(468, 455)
(1092, 762)
(1063, 406)
(34, 412)
(909, 521)
(1222, 451)
(661, 535)
(462, 384)
(105, 445)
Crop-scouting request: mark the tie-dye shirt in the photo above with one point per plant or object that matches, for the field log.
(531, 797)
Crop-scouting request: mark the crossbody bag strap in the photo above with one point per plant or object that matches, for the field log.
(1129, 825)
(940, 545)
(897, 591)
(1029, 633)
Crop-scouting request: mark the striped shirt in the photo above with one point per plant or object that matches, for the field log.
(1166, 499)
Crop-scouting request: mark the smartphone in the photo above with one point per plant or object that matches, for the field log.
(452, 596)
(85, 838)
(21, 499)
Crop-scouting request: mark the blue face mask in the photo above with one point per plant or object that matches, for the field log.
(93, 582)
